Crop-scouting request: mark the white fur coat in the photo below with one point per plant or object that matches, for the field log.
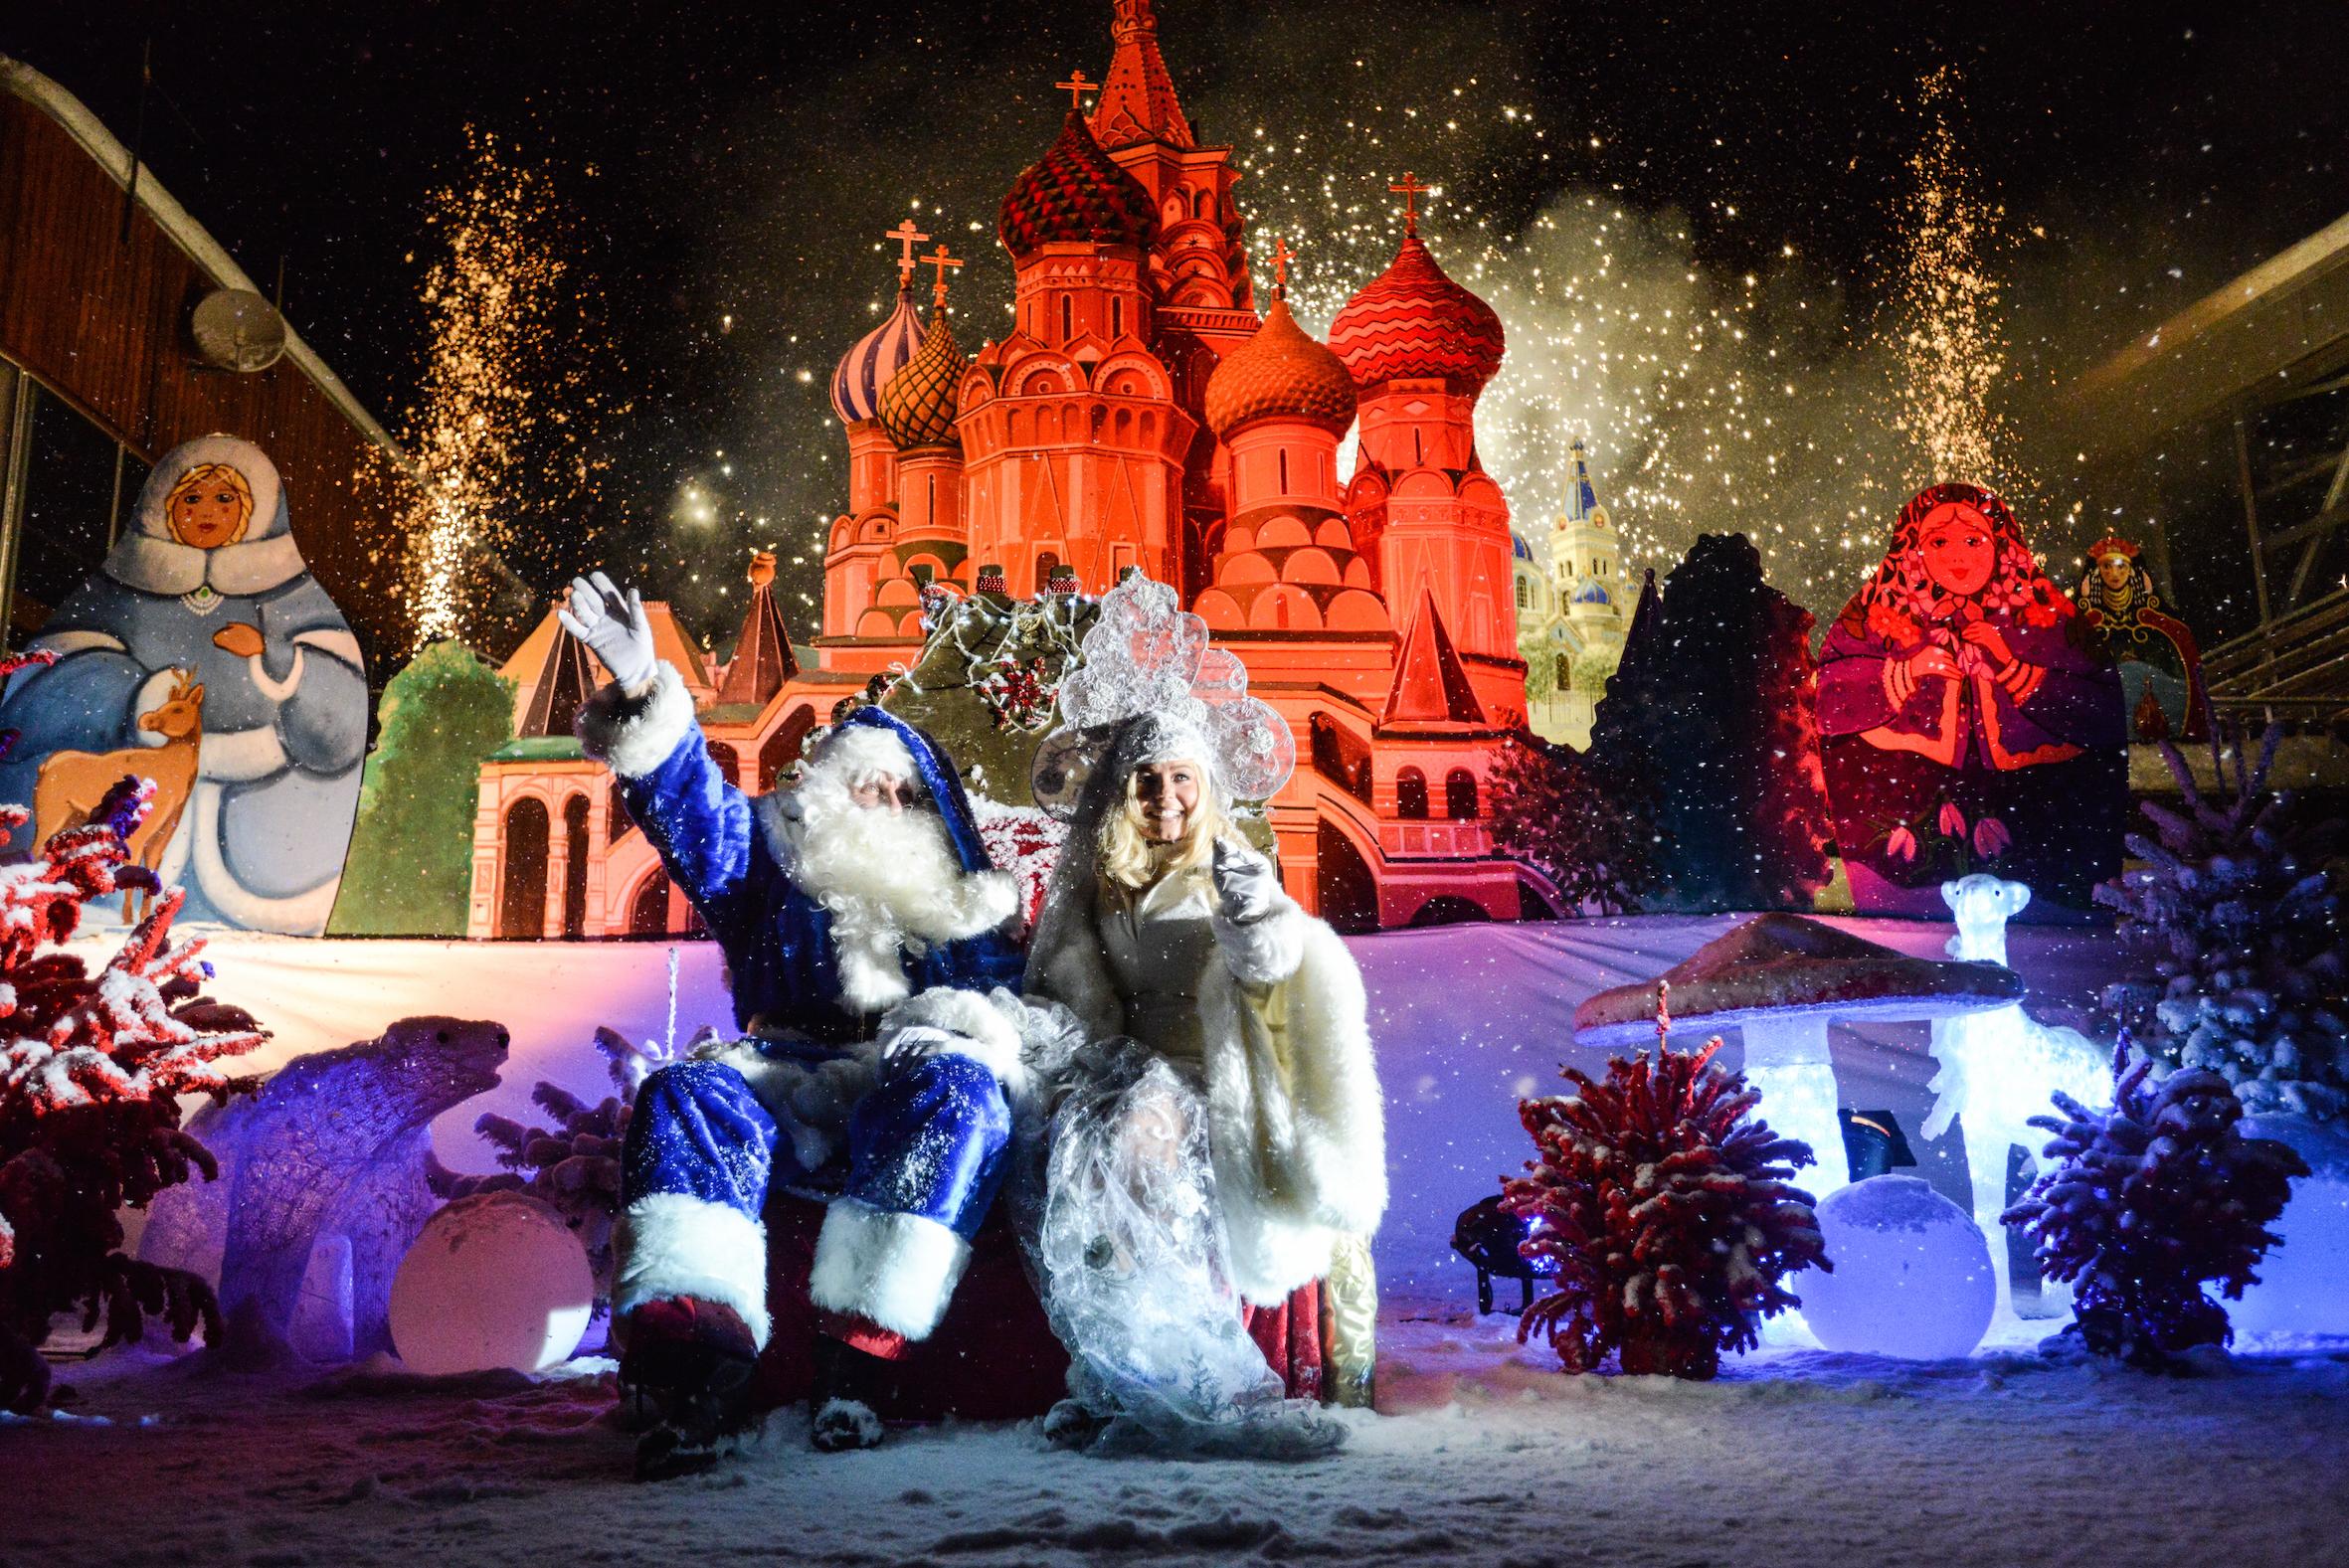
(1296, 1121)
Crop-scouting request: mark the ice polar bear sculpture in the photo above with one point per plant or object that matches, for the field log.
(1999, 1068)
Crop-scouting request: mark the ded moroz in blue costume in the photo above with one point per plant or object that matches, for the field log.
(836, 903)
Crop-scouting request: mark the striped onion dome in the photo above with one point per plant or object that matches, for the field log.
(878, 355)
(917, 408)
(1075, 192)
(1280, 371)
(1413, 321)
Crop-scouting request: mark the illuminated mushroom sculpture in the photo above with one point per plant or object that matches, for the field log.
(1781, 981)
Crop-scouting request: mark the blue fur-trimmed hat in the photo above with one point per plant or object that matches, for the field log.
(933, 768)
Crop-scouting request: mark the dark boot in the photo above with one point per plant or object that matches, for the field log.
(852, 1389)
(685, 1382)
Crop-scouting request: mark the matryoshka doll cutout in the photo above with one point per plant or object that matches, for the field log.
(1969, 719)
(2160, 660)
(204, 630)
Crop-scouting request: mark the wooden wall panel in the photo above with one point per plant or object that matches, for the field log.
(99, 320)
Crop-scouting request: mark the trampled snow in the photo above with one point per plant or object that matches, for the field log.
(1488, 1456)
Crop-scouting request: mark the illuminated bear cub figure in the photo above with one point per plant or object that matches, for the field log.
(1999, 1069)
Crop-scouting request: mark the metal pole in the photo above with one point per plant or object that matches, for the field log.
(2250, 518)
(16, 452)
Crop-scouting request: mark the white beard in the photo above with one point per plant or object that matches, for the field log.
(887, 876)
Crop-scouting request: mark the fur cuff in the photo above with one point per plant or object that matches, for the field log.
(634, 735)
(894, 1269)
(965, 1023)
(673, 1244)
(1264, 951)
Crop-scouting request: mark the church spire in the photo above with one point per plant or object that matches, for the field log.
(1138, 100)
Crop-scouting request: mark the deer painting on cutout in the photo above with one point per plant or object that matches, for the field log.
(71, 787)
(204, 655)
(1970, 719)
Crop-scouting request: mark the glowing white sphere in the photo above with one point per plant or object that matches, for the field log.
(495, 1280)
(2304, 1284)
(1913, 1275)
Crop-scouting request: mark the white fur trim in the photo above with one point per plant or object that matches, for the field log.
(635, 734)
(859, 750)
(276, 690)
(895, 1270)
(1074, 974)
(300, 914)
(334, 643)
(943, 1020)
(236, 756)
(673, 1244)
(1297, 1127)
(1264, 951)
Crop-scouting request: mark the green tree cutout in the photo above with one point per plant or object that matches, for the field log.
(412, 849)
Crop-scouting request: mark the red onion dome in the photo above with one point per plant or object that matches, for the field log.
(1075, 193)
(1413, 321)
(866, 369)
(1283, 372)
(917, 407)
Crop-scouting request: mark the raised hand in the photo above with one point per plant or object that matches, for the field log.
(614, 627)
(1992, 641)
(1245, 883)
(238, 639)
(1933, 661)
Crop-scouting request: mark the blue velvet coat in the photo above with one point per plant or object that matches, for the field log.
(731, 855)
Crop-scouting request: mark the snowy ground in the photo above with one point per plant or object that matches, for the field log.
(1483, 1453)
(1486, 1454)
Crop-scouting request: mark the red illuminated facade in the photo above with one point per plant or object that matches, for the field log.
(1141, 413)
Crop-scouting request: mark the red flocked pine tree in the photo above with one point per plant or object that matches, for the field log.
(1671, 1220)
(90, 1066)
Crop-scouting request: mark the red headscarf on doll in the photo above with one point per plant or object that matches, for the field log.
(1902, 598)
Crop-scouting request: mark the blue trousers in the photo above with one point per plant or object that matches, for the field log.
(926, 1153)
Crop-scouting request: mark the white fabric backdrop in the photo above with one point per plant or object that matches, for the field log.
(1467, 1019)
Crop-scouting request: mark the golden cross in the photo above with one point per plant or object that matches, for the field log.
(907, 236)
(941, 261)
(1282, 255)
(1076, 87)
(1413, 190)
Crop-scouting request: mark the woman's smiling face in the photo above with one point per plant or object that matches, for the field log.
(1164, 796)
(1960, 551)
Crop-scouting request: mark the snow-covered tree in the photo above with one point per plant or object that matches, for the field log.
(2238, 918)
(2147, 1204)
(1672, 1220)
(411, 848)
(1545, 810)
(90, 1068)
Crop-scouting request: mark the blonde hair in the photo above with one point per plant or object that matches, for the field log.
(1133, 861)
(201, 477)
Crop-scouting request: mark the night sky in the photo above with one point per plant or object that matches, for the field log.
(726, 171)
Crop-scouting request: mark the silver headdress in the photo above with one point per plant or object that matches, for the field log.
(1147, 659)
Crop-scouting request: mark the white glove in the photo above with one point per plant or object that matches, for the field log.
(615, 628)
(1245, 883)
